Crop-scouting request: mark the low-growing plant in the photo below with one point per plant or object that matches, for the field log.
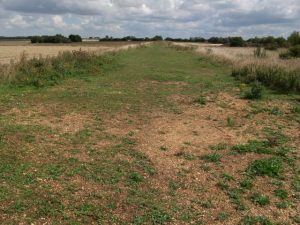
(236, 198)
(255, 220)
(219, 147)
(281, 193)
(282, 205)
(230, 122)
(246, 184)
(200, 100)
(271, 167)
(212, 157)
(260, 199)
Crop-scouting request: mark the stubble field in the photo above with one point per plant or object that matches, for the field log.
(13, 50)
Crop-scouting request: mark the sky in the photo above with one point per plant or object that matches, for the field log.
(170, 18)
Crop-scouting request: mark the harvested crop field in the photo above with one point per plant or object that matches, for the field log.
(13, 50)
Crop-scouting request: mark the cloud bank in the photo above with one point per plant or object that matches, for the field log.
(175, 18)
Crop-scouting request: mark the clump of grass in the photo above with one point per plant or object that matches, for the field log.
(281, 193)
(260, 199)
(260, 52)
(223, 216)
(282, 205)
(255, 220)
(246, 184)
(230, 122)
(271, 167)
(236, 198)
(211, 157)
(296, 185)
(200, 100)
(219, 147)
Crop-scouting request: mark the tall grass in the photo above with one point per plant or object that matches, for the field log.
(280, 75)
(41, 71)
(257, 64)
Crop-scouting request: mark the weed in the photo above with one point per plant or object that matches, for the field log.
(255, 220)
(230, 122)
(223, 216)
(296, 185)
(201, 100)
(236, 198)
(247, 184)
(211, 157)
(163, 148)
(260, 199)
(135, 178)
(159, 217)
(219, 147)
(207, 204)
(271, 167)
(281, 193)
(282, 205)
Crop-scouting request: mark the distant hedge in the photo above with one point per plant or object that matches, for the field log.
(56, 39)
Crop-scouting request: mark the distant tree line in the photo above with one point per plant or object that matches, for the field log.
(132, 38)
(56, 39)
(269, 42)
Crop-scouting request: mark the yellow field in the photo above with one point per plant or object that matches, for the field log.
(12, 50)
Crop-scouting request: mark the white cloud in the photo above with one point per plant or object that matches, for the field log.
(150, 17)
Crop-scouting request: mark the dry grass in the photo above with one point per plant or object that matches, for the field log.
(274, 72)
(12, 50)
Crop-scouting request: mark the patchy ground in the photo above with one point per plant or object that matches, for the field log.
(151, 140)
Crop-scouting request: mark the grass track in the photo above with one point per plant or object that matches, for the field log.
(63, 162)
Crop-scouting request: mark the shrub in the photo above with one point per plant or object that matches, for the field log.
(255, 92)
(294, 38)
(75, 38)
(236, 42)
(271, 167)
(295, 51)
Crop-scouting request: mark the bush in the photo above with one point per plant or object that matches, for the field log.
(295, 51)
(236, 42)
(255, 92)
(75, 38)
(294, 38)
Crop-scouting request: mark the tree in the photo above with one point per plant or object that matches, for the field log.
(236, 42)
(294, 38)
(157, 38)
(75, 38)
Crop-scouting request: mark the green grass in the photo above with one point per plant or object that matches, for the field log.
(43, 168)
(272, 167)
(260, 199)
(80, 170)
